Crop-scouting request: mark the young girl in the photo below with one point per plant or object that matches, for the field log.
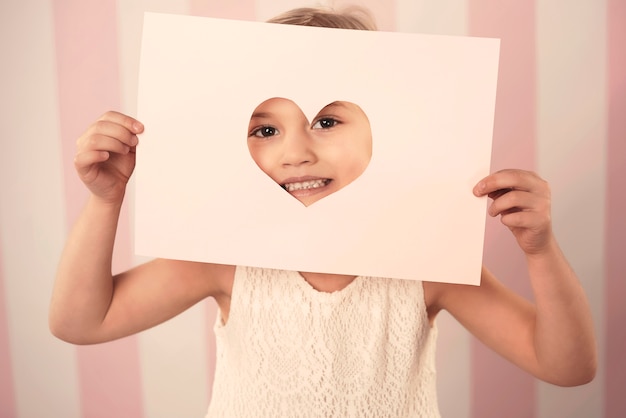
(311, 344)
(310, 160)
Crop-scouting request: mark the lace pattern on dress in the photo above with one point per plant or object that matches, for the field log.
(289, 350)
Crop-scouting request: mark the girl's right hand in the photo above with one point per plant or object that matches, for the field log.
(105, 155)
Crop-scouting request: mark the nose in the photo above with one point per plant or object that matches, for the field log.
(298, 149)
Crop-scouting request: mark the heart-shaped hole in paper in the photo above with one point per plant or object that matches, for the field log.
(310, 159)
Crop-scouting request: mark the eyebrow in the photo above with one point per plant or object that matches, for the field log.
(269, 115)
(261, 115)
(336, 103)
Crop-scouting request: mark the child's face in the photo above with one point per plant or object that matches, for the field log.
(310, 160)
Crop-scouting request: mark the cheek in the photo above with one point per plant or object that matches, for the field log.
(361, 149)
(262, 156)
(352, 160)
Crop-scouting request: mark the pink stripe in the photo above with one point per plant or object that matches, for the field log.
(7, 390)
(499, 389)
(232, 9)
(88, 84)
(615, 330)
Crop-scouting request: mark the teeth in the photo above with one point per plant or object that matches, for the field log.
(302, 185)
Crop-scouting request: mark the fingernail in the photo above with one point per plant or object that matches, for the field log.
(137, 127)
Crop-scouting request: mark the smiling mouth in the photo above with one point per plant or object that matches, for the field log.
(306, 185)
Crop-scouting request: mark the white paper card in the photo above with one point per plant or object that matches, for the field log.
(201, 196)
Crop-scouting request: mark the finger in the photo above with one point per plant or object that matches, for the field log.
(506, 180)
(130, 123)
(516, 201)
(107, 129)
(85, 160)
(498, 193)
(517, 219)
(524, 219)
(115, 125)
(104, 143)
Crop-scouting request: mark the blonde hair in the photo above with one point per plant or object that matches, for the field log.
(349, 18)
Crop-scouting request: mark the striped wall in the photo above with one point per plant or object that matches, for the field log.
(561, 110)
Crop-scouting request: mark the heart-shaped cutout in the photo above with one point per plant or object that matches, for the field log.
(310, 159)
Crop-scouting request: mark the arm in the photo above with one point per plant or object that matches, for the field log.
(553, 338)
(88, 304)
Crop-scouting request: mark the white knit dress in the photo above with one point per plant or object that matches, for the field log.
(289, 350)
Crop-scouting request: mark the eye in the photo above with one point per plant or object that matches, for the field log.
(325, 123)
(264, 132)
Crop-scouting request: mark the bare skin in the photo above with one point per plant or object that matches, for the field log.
(552, 338)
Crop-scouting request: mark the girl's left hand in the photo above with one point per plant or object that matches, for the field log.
(522, 199)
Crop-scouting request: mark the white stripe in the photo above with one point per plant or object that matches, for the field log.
(129, 30)
(129, 26)
(453, 367)
(174, 363)
(130, 23)
(32, 215)
(571, 39)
